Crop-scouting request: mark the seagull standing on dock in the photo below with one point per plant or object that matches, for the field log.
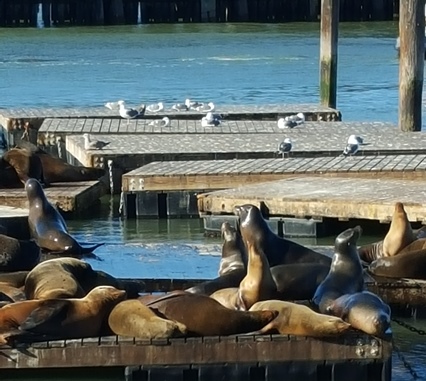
(130, 113)
(355, 139)
(211, 120)
(160, 122)
(193, 104)
(282, 123)
(206, 108)
(180, 107)
(285, 147)
(93, 144)
(156, 107)
(111, 105)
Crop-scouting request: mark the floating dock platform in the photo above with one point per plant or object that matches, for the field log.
(14, 222)
(74, 197)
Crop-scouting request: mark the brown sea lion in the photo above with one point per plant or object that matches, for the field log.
(418, 244)
(204, 316)
(228, 297)
(233, 251)
(346, 273)
(408, 265)
(56, 319)
(132, 318)
(258, 284)
(56, 170)
(18, 255)
(400, 233)
(296, 319)
(26, 164)
(71, 278)
(48, 227)
(14, 279)
(364, 311)
(278, 250)
(14, 293)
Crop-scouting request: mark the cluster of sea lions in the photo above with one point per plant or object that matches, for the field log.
(260, 277)
(26, 161)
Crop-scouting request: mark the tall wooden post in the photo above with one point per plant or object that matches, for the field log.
(328, 52)
(411, 63)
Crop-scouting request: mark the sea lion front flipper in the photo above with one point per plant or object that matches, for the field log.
(52, 311)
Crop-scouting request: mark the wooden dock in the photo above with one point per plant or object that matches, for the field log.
(75, 197)
(338, 198)
(14, 222)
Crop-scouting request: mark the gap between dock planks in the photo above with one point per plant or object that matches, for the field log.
(222, 174)
(344, 198)
(69, 197)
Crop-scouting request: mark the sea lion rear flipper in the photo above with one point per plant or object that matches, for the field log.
(50, 312)
(88, 250)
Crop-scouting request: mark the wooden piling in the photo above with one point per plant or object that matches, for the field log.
(328, 52)
(411, 63)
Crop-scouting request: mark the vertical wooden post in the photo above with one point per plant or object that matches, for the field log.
(411, 63)
(328, 52)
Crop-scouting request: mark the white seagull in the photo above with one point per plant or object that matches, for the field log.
(93, 144)
(160, 122)
(211, 120)
(299, 118)
(193, 104)
(285, 147)
(350, 149)
(282, 123)
(355, 139)
(209, 107)
(180, 107)
(130, 113)
(111, 105)
(156, 107)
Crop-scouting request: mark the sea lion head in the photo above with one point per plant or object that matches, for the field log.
(227, 231)
(348, 237)
(249, 214)
(107, 293)
(399, 208)
(34, 191)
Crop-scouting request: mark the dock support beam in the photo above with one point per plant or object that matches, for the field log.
(328, 52)
(411, 63)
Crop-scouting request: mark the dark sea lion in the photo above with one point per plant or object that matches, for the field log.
(18, 255)
(408, 265)
(56, 170)
(364, 311)
(131, 318)
(298, 281)
(48, 227)
(26, 164)
(71, 278)
(418, 244)
(296, 319)
(8, 176)
(400, 233)
(204, 316)
(56, 319)
(346, 273)
(278, 250)
(258, 284)
(231, 279)
(233, 251)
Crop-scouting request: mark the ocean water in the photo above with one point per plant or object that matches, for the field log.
(223, 63)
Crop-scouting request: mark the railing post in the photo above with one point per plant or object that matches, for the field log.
(411, 63)
(328, 52)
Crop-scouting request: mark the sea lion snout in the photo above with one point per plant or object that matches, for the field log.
(32, 186)
(225, 230)
(349, 236)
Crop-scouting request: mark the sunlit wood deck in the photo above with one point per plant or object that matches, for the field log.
(74, 197)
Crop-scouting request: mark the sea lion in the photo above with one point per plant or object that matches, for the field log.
(417, 245)
(18, 255)
(56, 170)
(204, 316)
(48, 227)
(278, 250)
(230, 279)
(14, 279)
(8, 176)
(364, 311)
(228, 297)
(71, 278)
(26, 164)
(258, 284)
(132, 318)
(346, 273)
(407, 265)
(296, 319)
(400, 233)
(14, 293)
(56, 319)
(233, 250)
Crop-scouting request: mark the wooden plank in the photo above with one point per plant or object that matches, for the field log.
(336, 197)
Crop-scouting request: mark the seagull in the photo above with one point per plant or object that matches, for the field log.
(211, 120)
(93, 144)
(130, 113)
(350, 149)
(180, 107)
(193, 104)
(285, 147)
(282, 123)
(204, 108)
(111, 105)
(160, 122)
(156, 107)
(299, 118)
(355, 139)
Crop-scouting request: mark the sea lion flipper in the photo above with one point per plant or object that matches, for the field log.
(49, 312)
(88, 250)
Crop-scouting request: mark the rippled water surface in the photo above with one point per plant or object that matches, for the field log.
(224, 63)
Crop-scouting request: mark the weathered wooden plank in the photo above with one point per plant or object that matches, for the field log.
(335, 197)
